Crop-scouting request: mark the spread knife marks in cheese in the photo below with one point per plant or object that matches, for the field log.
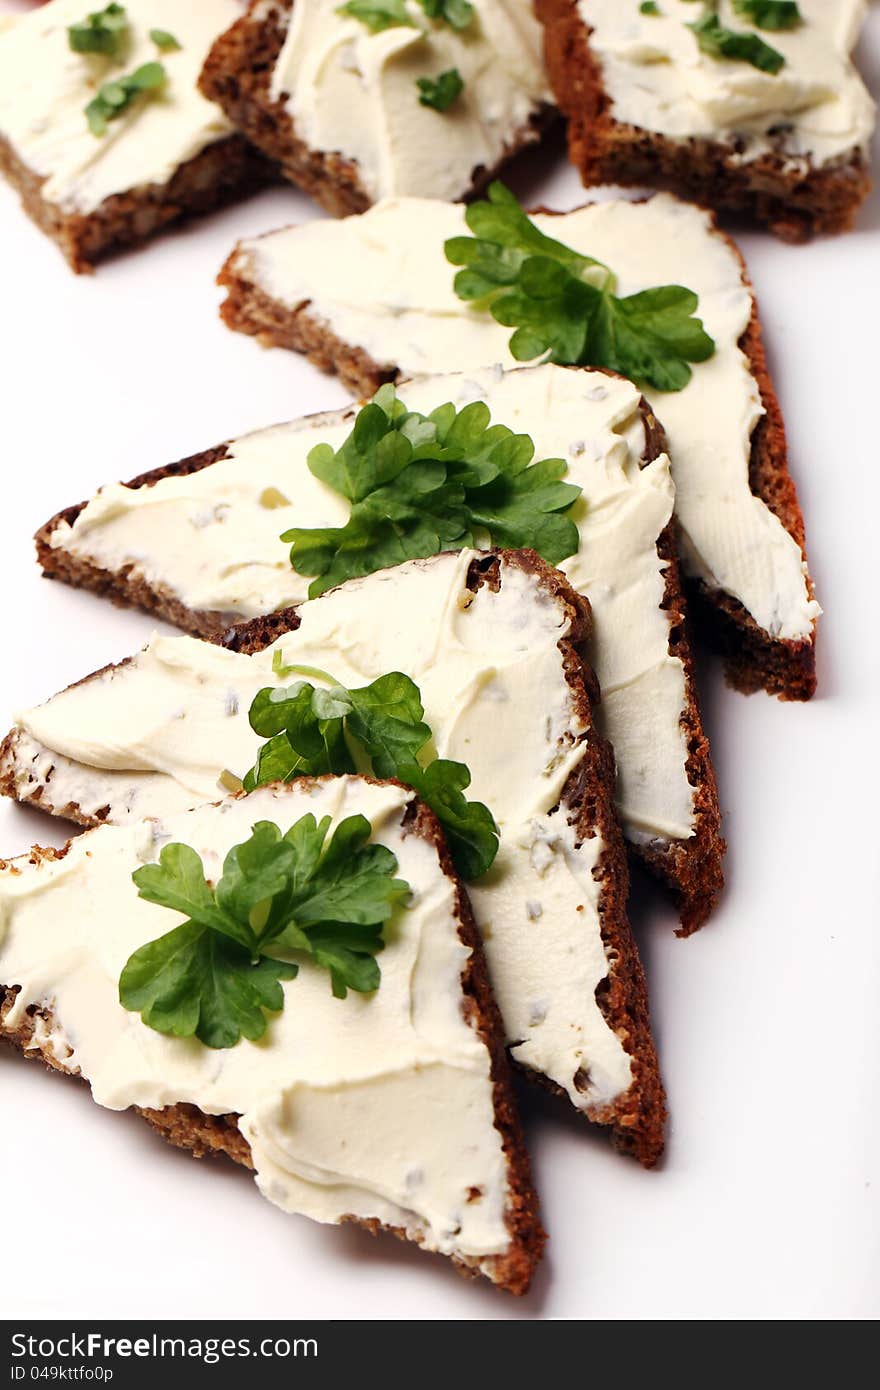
(381, 283)
(161, 728)
(816, 107)
(213, 542)
(45, 88)
(353, 92)
(339, 1100)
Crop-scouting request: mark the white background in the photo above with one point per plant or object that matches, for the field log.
(767, 1021)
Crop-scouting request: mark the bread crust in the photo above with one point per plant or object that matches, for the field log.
(187, 1127)
(224, 171)
(637, 1119)
(237, 76)
(793, 198)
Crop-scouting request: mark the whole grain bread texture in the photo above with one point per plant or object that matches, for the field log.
(691, 868)
(237, 76)
(187, 1127)
(221, 173)
(637, 1118)
(795, 199)
(753, 660)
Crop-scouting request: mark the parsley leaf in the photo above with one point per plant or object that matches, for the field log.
(649, 7)
(378, 14)
(116, 96)
(719, 42)
(770, 14)
(310, 731)
(458, 14)
(419, 484)
(563, 304)
(165, 41)
(103, 31)
(441, 91)
(216, 975)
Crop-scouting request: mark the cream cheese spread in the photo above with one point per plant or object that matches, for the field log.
(152, 736)
(212, 539)
(381, 282)
(339, 1100)
(353, 92)
(45, 88)
(657, 78)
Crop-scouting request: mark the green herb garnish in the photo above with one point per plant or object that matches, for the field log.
(311, 731)
(770, 14)
(419, 484)
(563, 304)
(458, 14)
(115, 97)
(214, 976)
(649, 7)
(378, 14)
(719, 42)
(164, 41)
(441, 91)
(104, 31)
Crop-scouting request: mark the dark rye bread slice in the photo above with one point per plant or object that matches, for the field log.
(772, 190)
(753, 659)
(187, 1127)
(637, 1118)
(224, 171)
(691, 869)
(237, 76)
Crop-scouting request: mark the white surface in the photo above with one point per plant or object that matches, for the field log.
(767, 1021)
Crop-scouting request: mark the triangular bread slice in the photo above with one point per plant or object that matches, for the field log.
(336, 1107)
(372, 298)
(491, 640)
(333, 98)
(169, 157)
(199, 543)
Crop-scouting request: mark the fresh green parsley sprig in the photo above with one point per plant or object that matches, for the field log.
(116, 96)
(104, 31)
(419, 484)
(216, 975)
(311, 731)
(441, 91)
(563, 304)
(649, 7)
